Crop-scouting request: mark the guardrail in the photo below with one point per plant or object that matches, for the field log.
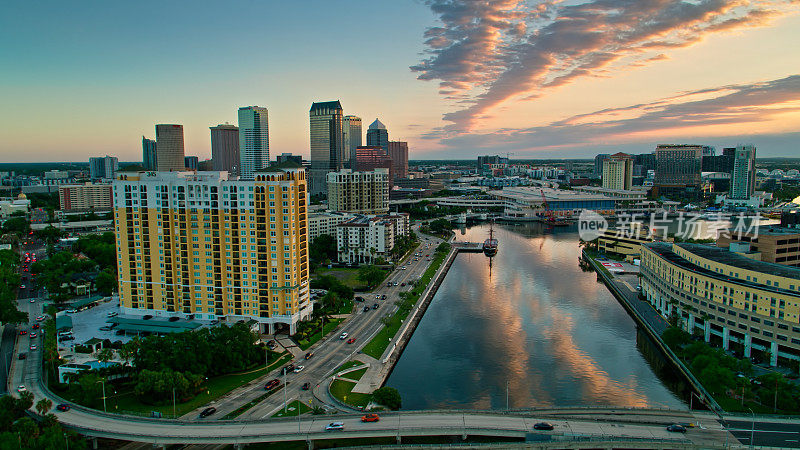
(655, 336)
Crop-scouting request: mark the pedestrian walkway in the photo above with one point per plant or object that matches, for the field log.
(288, 344)
(372, 378)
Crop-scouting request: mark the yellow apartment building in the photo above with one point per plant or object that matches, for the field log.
(213, 247)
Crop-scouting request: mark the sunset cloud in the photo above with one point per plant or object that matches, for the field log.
(743, 105)
(485, 53)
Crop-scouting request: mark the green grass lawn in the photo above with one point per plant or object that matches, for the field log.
(342, 390)
(347, 275)
(329, 326)
(355, 375)
(348, 365)
(299, 408)
(381, 341)
(213, 389)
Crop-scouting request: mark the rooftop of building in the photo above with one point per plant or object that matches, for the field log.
(279, 167)
(770, 230)
(335, 104)
(723, 256)
(534, 194)
(154, 325)
(377, 125)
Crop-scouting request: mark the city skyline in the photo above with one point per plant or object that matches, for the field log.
(454, 79)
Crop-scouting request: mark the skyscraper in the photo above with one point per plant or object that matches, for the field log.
(286, 157)
(678, 170)
(598, 164)
(618, 171)
(225, 148)
(378, 135)
(351, 127)
(398, 151)
(743, 177)
(169, 278)
(149, 154)
(169, 147)
(103, 167)
(253, 140)
(327, 142)
(370, 158)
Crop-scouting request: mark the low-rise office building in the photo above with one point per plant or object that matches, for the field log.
(85, 197)
(320, 223)
(775, 244)
(726, 296)
(364, 239)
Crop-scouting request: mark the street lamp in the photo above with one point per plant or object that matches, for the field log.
(752, 428)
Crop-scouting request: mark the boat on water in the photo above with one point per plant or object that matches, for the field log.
(490, 245)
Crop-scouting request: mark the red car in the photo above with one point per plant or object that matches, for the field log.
(351, 340)
(272, 384)
(370, 418)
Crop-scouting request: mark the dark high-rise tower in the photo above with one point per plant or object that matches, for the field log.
(169, 147)
(225, 148)
(149, 155)
(327, 142)
(378, 135)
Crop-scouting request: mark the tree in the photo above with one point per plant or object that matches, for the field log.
(371, 275)
(323, 249)
(675, 338)
(106, 282)
(26, 399)
(18, 225)
(444, 247)
(388, 397)
(105, 355)
(43, 406)
(439, 226)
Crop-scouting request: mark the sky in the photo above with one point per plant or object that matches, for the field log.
(454, 78)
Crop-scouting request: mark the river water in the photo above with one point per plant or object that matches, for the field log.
(533, 328)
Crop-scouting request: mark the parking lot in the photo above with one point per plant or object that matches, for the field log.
(86, 324)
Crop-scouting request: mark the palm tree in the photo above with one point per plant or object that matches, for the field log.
(43, 406)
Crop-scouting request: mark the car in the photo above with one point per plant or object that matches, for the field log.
(298, 369)
(112, 314)
(306, 386)
(376, 306)
(396, 283)
(33, 335)
(343, 336)
(147, 316)
(377, 296)
(402, 284)
(370, 418)
(22, 356)
(22, 388)
(366, 308)
(383, 297)
(63, 407)
(33, 300)
(71, 311)
(351, 340)
(289, 368)
(208, 411)
(174, 319)
(543, 426)
(40, 318)
(309, 355)
(22, 286)
(22, 332)
(68, 338)
(33, 347)
(676, 428)
(35, 326)
(403, 268)
(105, 328)
(272, 384)
(334, 426)
(359, 299)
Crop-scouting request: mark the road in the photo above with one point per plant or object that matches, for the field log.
(768, 434)
(331, 352)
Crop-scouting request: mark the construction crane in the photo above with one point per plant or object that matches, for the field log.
(550, 218)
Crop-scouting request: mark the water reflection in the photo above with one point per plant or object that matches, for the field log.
(539, 324)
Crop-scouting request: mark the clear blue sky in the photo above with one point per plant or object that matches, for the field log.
(81, 79)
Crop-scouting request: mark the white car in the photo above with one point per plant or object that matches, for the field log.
(299, 369)
(343, 336)
(22, 388)
(112, 314)
(33, 347)
(334, 426)
(403, 268)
